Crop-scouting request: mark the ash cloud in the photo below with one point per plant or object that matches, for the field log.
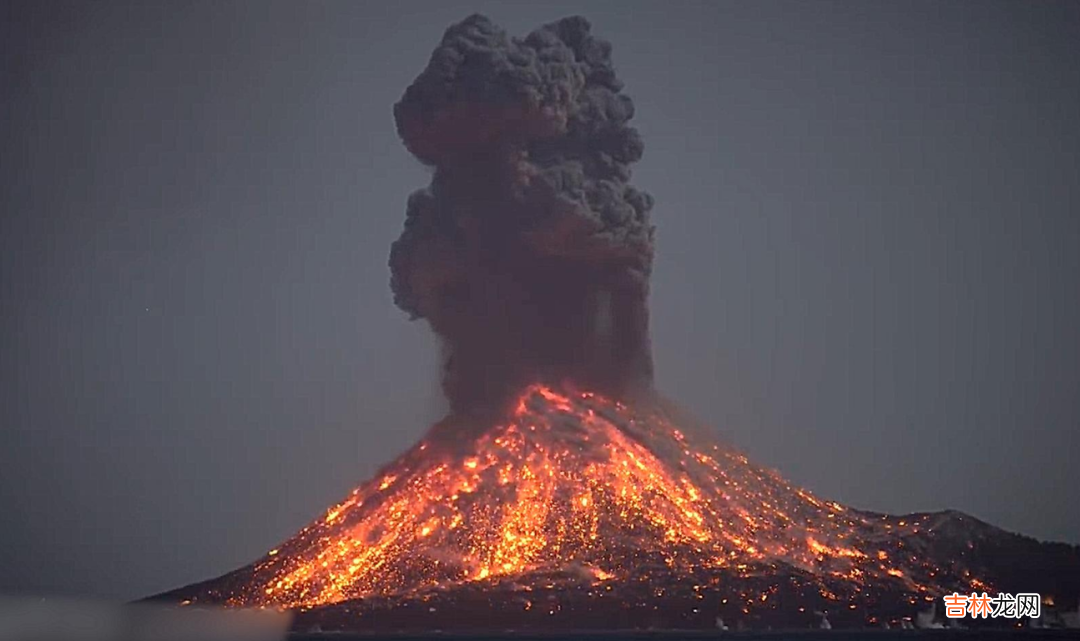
(529, 253)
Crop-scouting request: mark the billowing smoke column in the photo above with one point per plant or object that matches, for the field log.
(529, 253)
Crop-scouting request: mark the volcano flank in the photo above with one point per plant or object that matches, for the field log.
(579, 509)
(562, 491)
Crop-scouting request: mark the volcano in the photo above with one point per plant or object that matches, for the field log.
(583, 512)
(563, 491)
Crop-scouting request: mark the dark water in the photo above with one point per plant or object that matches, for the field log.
(1022, 634)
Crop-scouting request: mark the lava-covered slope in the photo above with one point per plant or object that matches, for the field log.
(579, 504)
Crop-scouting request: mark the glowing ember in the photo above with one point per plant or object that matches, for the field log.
(576, 483)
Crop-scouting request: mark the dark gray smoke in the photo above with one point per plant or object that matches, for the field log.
(529, 253)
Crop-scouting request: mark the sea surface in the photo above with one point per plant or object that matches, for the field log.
(1020, 634)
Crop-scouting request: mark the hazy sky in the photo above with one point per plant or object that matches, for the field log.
(866, 274)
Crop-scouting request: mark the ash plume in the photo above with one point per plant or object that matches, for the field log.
(529, 253)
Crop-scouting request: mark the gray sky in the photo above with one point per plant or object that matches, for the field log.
(866, 272)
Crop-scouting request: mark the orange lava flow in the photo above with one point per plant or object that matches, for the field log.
(582, 485)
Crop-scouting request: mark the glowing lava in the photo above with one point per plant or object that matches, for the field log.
(584, 487)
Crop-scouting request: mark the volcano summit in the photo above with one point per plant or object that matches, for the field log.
(562, 491)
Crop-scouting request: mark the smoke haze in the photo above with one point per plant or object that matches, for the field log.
(866, 249)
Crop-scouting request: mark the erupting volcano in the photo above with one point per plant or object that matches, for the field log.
(563, 490)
